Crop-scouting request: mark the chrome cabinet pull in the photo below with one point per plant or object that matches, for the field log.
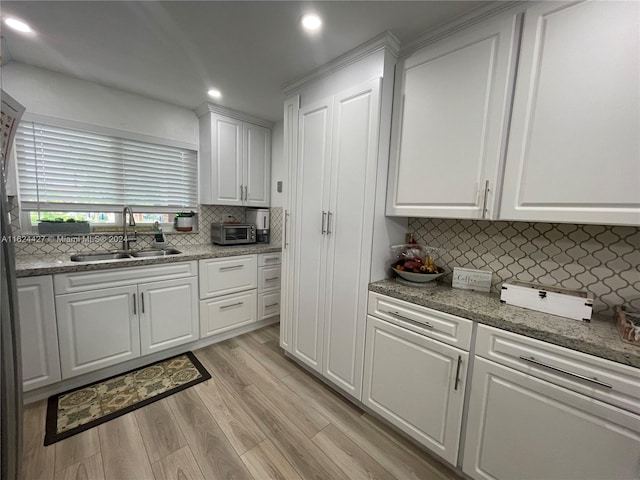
(571, 374)
(233, 267)
(286, 220)
(329, 222)
(246, 193)
(271, 279)
(324, 216)
(272, 305)
(424, 324)
(458, 372)
(134, 304)
(142, 301)
(232, 305)
(270, 259)
(484, 202)
(241, 198)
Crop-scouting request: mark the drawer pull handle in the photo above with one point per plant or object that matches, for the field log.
(271, 259)
(575, 375)
(271, 279)
(272, 305)
(134, 305)
(458, 372)
(424, 324)
(233, 267)
(142, 301)
(232, 305)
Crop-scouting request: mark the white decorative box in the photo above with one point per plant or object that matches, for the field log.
(575, 304)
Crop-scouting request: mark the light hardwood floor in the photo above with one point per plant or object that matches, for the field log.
(260, 417)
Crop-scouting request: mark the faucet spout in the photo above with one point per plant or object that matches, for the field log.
(126, 241)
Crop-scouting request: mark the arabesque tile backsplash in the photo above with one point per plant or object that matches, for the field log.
(604, 260)
(207, 214)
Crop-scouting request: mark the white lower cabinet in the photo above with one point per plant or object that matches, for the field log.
(417, 384)
(99, 327)
(268, 305)
(161, 304)
(220, 314)
(539, 411)
(38, 332)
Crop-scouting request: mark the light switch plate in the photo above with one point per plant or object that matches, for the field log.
(470, 279)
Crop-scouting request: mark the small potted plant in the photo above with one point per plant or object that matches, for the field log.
(183, 221)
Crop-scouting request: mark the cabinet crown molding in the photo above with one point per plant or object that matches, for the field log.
(385, 40)
(208, 107)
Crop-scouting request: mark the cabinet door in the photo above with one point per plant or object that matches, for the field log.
(417, 384)
(310, 226)
(450, 121)
(349, 231)
(526, 428)
(257, 166)
(290, 155)
(221, 175)
(168, 314)
(38, 332)
(97, 328)
(221, 314)
(222, 276)
(574, 146)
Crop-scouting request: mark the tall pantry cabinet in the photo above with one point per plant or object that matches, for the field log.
(331, 217)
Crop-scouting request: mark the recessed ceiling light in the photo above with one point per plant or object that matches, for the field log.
(18, 25)
(311, 22)
(214, 93)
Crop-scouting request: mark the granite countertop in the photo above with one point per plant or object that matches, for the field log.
(599, 337)
(31, 265)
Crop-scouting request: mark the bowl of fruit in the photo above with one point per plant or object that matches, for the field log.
(415, 263)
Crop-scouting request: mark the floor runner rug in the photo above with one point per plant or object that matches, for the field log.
(83, 408)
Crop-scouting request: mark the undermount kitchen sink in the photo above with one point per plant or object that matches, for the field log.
(102, 256)
(155, 253)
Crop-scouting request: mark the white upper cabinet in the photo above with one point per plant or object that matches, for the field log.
(235, 162)
(574, 146)
(450, 120)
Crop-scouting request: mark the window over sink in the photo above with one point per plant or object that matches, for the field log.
(87, 173)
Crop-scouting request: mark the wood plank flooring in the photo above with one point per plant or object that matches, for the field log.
(260, 417)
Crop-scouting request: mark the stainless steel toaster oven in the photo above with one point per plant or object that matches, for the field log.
(233, 233)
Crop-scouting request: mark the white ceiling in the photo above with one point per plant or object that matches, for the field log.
(175, 51)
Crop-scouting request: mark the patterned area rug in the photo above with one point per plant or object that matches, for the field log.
(83, 408)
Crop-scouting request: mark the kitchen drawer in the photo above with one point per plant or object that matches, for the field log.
(441, 326)
(222, 276)
(268, 305)
(268, 259)
(268, 279)
(218, 315)
(562, 366)
(83, 281)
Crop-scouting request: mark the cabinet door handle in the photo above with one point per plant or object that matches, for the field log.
(272, 305)
(484, 202)
(232, 305)
(324, 216)
(142, 301)
(458, 372)
(286, 221)
(271, 279)
(241, 198)
(246, 193)
(329, 222)
(424, 324)
(134, 305)
(565, 372)
(233, 267)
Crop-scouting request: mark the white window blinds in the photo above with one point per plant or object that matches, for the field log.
(65, 169)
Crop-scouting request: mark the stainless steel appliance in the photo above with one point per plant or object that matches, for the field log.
(233, 233)
(10, 359)
(260, 218)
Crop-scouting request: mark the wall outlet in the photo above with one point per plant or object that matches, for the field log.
(279, 186)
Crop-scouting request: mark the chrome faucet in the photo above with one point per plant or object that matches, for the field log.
(126, 241)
